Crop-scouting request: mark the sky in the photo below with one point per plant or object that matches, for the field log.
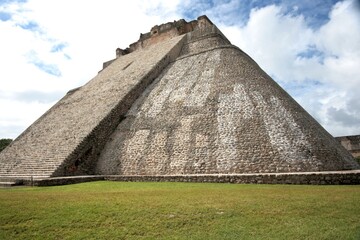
(310, 47)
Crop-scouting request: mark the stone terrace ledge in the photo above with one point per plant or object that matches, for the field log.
(313, 178)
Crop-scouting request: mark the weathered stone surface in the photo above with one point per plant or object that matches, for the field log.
(351, 143)
(214, 111)
(180, 101)
(314, 178)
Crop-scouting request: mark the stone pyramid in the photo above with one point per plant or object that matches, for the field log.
(180, 100)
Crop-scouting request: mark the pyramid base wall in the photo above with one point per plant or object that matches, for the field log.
(309, 178)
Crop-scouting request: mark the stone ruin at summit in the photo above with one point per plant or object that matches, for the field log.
(181, 100)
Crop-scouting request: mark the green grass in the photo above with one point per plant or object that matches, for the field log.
(118, 210)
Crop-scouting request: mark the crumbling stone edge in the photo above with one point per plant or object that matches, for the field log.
(310, 178)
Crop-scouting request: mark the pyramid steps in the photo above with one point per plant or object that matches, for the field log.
(7, 184)
(181, 100)
(57, 145)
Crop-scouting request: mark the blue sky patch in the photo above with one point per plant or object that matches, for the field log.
(226, 12)
(51, 69)
(48, 68)
(32, 26)
(234, 12)
(297, 88)
(312, 52)
(4, 16)
(3, 2)
(316, 13)
(58, 47)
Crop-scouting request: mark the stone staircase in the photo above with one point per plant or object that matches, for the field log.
(29, 171)
(26, 170)
(67, 139)
(7, 184)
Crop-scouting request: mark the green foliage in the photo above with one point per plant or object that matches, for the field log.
(357, 159)
(120, 210)
(4, 142)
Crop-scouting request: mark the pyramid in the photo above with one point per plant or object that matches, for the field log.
(180, 100)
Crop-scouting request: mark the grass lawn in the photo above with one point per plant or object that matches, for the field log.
(120, 210)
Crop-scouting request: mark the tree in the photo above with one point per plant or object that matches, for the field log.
(4, 142)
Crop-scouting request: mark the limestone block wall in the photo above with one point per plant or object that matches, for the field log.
(216, 112)
(312, 178)
(315, 178)
(351, 143)
(68, 138)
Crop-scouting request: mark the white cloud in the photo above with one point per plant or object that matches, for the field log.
(16, 120)
(273, 39)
